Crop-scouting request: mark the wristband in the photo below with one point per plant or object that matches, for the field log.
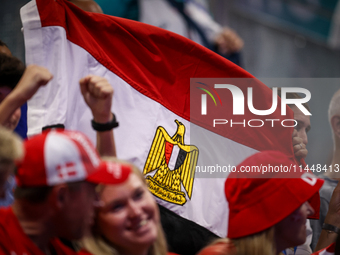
(331, 228)
(101, 127)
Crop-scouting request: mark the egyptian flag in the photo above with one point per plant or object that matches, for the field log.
(158, 99)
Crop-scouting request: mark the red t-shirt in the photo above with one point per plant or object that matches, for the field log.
(14, 241)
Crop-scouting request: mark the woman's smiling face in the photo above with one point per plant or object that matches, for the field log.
(130, 216)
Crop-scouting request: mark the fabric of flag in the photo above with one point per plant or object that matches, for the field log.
(330, 250)
(150, 70)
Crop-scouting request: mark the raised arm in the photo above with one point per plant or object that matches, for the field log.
(97, 93)
(33, 78)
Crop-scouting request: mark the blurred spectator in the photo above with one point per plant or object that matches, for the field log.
(330, 232)
(300, 138)
(17, 85)
(128, 222)
(10, 150)
(189, 18)
(21, 127)
(300, 141)
(332, 175)
(192, 20)
(267, 212)
(55, 194)
(11, 70)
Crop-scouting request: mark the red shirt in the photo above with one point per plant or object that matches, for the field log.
(14, 241)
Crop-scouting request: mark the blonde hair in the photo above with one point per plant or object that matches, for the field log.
(262, 243)
(11, 148)
(96, 244)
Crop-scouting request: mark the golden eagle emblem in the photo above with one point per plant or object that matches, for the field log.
(166, 182)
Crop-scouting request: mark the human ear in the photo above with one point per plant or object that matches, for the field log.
(335, 123)
(60, 195)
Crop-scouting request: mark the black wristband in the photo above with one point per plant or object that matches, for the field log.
(101, 127)
(330, 227)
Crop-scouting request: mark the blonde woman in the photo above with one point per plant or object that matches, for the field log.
(128, 221)
(268, 211)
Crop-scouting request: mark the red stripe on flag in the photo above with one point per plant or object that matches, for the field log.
(159, 64)
(168, 151)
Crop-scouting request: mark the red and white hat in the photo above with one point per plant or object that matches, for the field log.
(259, 201)
(60, 156)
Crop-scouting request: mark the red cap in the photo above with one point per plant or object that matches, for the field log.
(110, 173)
(60, 156)
(259, 201)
